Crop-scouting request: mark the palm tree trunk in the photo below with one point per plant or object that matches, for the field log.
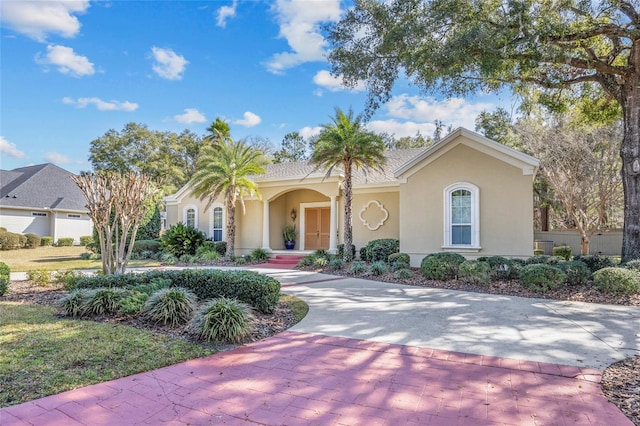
(348, 222)
(231, 227)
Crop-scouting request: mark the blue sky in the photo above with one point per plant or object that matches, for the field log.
(72, 70)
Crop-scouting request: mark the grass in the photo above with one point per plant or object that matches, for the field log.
(56, 259)
(42, 354)
(298, 306)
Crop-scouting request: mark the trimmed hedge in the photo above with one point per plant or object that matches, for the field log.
(474, 272)
(259, 291)
(5, 277)
(577, 272)
(33, 241)
(146, 245)
(563, 252)
(502, 268)
(595, 262)
(617, 280)
(541, 277)
(381, 249)
(10, 241)
(441, 266)
(65, 242)
(85, 240)
(46, 241)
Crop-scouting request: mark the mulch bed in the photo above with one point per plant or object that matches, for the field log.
(620, 381)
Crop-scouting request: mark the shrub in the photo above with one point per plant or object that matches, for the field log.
(9, 241)
(363, 254)
(474, 272)
(379, 267)
(358, 268)
(381, 249)
(320, 261)
(220, 247)
(188, 259)
(65, 242)
(104, 301)
(46, 241)
(542, 260)
(147, 254)
(306, 261)
(336, 264)
(207, 255)
(33, 241)
(74, 304)
(170, 306)
(168, 258)
(502, 268)
(632, 264)
(403, 274)
(85, 240)
(341, 251)
(538, 252)
(3, 229)
(577, 272)
(181, 239)
(39, 277)
(259, 254)
(259, 291)
(617, 280)
(5, 278)
(146, 245)
(441, 266)
(222, 320)
(133, 302)
(240, 260)
(563, 252)
(61, 277)
(541, 277)
(399, 257)
(595, 262)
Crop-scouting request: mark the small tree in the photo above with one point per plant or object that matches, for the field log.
(117, 203)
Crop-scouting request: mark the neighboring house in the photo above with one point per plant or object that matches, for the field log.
(465, 194)
(43, 200)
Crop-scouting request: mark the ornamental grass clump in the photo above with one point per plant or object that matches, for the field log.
(222, 320)
(379, 267)
(170, 306)
(75, 303)
(104, 301)
(358, 268)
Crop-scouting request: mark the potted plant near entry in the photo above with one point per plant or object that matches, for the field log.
(289, 234)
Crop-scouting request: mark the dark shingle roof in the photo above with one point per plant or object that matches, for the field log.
(40, 186)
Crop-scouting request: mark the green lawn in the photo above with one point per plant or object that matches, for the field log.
(42, 354)
(56, 259)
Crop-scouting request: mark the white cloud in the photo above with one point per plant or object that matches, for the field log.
(168, 64)
(401, 129)
(457, 112)
(37, 19)
(67, 61)
(334, 84)
(226, 12)
(102, 105)
(249, 120)
(54, 157)
(191, 115)
(10, 149)
(309, 132)
(299, 22)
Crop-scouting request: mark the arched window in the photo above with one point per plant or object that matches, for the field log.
(216, 224)
(462, 215)
(191, 216)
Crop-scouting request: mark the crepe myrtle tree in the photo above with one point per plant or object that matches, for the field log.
(462, 46)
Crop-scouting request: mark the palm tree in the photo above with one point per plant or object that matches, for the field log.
(225, 168)
(346, 143)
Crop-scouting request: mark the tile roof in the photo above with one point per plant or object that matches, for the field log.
(41, 186)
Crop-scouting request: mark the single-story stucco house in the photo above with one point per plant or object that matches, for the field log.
(465, 194)
(43, 200)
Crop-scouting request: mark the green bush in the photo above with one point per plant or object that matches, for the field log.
(207, 255)
(33, 241)
(441, 266)
(474, 272)
(306, 261)
(563, 251)
(403, 274)
(632, 264)
(320, 261)
(595, 262)
(381, 249)
(336, 264)
(543, 260)
(541, 277)
(220, 247)
(538, 252)
(379, 267)
(363, 254)
(85, 240)
(188, 259)
(104, 301)
(65, 242)
(39, 277)
(577, 272)
(9, 241)
(259, 291)
(502, 268)
(168, 258)
(62, 277)
(222, 320)
(75, 303)
(5, 278)
(239, 260)
(133, 302)
(259, 254)
(341, 251)
(170, 306)
(146, 245)
(181, 239)
(46, 241)
(399, 257)
(617, 280)
(358, 268)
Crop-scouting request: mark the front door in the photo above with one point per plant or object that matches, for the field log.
(316, 228)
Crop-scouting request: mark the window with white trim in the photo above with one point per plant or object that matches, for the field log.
(216, 229)
(190, 216)
(39, 214)
(462, 215)
(73, 216)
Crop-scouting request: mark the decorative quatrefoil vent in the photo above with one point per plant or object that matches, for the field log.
(373, 215)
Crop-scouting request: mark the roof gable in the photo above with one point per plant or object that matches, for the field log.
(526, 163)
(43, 186)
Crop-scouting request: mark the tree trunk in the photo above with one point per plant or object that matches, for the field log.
(584, 249)
(348, 225)
(231, 227)
(630, 153)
